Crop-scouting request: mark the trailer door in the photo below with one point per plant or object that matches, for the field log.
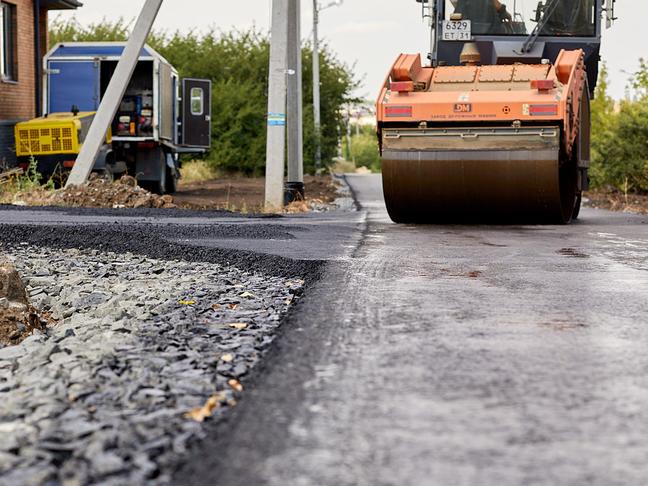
(72, 83)
(196, 113)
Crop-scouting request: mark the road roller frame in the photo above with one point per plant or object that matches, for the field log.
(493, 129)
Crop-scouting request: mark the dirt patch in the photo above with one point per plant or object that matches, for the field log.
(564, 325)
(18, 319)
(572, 252)
(617, 201)
(247, 194)
(232, 194)
(97, 193)
(12, 289)
(471, 274)
(16, 325)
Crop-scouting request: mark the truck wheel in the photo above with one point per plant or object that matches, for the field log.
(171, 182)
(159, 187)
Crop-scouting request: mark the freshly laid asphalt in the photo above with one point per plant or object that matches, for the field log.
(455, 356)
(427, 355)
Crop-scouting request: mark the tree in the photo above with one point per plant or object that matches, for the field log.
(237, 64)
(620, 138)
(603, 121)
(639, 81)
(362, 148)
(71, 31)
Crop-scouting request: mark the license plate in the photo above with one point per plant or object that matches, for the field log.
(457, 30)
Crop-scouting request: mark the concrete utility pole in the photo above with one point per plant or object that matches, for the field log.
(295, 182)
(113, 96)
(276, 143)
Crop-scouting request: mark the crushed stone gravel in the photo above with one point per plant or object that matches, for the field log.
(111, 394)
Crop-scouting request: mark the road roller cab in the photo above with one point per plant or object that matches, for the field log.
(496, 126)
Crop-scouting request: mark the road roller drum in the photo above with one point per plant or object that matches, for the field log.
(477, 175)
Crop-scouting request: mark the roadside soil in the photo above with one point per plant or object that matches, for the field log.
(18, 318)
(97, 193)
(247, 194)
(231, 194)
(17, 325)
(617, 201)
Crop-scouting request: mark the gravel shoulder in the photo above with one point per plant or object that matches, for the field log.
(144, 350)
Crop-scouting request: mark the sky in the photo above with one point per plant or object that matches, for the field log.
(368, 34)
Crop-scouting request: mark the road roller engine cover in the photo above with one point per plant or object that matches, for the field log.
(496, 128)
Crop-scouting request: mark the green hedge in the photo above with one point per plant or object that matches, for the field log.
(620, 136)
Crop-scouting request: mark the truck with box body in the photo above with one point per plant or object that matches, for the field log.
(159, 117)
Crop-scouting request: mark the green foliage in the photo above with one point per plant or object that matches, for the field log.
(27, 181)
(640, 80)
(364, 149)
(620, 137)
(31, 179)
(602, 108)
(336, 84)
(197, 170)
(70, 30)
(237, 64)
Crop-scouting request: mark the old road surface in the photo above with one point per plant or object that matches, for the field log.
(448, 355)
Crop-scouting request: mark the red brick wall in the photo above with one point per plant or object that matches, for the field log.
(18, 100)
(44, 32)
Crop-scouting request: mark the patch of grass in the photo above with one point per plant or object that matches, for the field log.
(29, 180)
(197, 170)
(342, 166)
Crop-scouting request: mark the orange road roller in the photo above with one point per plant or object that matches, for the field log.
(496, 127)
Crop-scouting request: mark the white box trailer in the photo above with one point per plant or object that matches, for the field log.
(159, 117)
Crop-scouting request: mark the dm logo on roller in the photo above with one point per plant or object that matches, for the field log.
(463, 108)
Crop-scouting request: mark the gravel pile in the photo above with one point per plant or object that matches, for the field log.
(97, 193)
(143, 351)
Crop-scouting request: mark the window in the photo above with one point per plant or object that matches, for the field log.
(197, 101)
(569, 18)
(7, 41)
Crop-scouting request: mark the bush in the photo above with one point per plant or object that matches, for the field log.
(197, 170)
(620, 137)
(364, 151)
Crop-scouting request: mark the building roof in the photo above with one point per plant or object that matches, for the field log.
(61, 4)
